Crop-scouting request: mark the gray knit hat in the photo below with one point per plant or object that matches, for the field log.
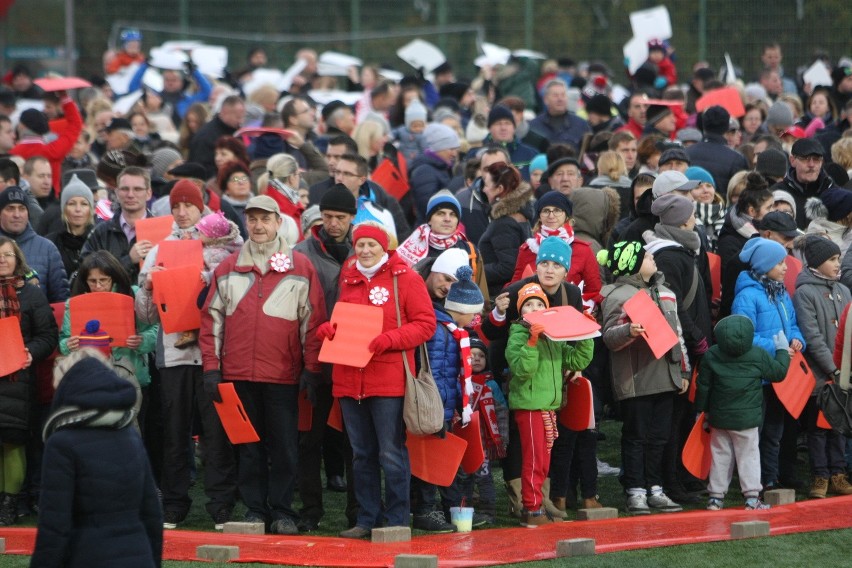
(779, 115)
(161, 160)
(76, 188)
(310, 216)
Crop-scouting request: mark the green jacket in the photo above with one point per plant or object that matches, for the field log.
(537, 372)
(729, 377)
(136, 359)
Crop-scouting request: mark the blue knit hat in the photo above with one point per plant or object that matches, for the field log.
(555, 249)
(553, 199)
(762, 254)
(464, 297)
(539, 163)
(443, 199)
(697, 173)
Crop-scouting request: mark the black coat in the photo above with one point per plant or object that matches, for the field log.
(722, 162)
(801, 192)
(109, 236)
(202, 148)
(70, 248)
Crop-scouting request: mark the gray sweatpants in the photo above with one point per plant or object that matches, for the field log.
(729, 447)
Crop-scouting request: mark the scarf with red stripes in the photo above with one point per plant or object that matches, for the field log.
(483, 401)
(463, 339)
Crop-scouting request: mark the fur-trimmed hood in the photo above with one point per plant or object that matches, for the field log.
(518, 201)
(596, 211)
(815, 209)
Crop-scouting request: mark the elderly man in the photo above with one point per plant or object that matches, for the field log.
(557, 123)
(564, 176)
(806, 177)
(182, 393)
(258, 331)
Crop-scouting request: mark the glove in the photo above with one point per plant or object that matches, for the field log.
(190, 67)
(780, 341)
(326, 331)
(309, 381)
(211, 380)
(380, 344)
(535, 330)
(701, 347)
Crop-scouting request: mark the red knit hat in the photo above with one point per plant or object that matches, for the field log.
(529, 291)
(371, 232)
(186, 191)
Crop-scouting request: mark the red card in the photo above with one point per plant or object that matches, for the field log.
(51, 84)
(822, 422)
(172, 254)
(306, 412)
(715, 262)
(528, 271)
(797, 387)
(474, 455)
(658, 334)
(356, 326)
(696, 452)
(564, 323)
(252, 131)
(13, 355)
(154, 229)
(335, 416)
(794, 266)
(58, 313)
(727, 97)
(176, 295)
(433, 459)
(391, 179)
(114, 311)
(234, 419)
(578, 413)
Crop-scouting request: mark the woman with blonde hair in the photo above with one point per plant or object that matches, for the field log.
(371, 136)
(281, 183)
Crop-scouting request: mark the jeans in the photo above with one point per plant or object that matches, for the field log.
(268, 468)
(770, 436)
(377, 434)
(571, 447)
(644, 434)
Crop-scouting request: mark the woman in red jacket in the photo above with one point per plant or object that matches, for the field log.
(371, 397)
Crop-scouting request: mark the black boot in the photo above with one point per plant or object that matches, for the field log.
(8, 509)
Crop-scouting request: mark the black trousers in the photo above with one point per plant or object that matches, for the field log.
(644, 434)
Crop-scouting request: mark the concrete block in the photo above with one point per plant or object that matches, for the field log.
(217, 553)
(779, 496)
(749, 529)
(244, 528)
(391, 534)
(575, 547)
(2, 546)
(597, 514)
(415, 561)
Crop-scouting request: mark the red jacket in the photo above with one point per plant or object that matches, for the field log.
(633, 127)
(384, 375)
(262, 327)
(839, 338)
(584, 268)
(56, 150)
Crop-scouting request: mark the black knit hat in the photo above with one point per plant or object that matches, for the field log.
(623, 258)
(715, 120)
(35, 120)
(656, 113)
(599, 104)
(12, 194)
(338, 198)
(819, 249)
(189, 170)
(500, 112)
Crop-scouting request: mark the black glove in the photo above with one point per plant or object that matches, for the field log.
(309, 381)
(190, 68)
(211, 384)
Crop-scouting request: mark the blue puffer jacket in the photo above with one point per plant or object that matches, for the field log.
(445, 359)
(43, 257)
(427, 175)
(768, 317)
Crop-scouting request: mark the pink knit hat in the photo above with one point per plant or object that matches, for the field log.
(214, 226)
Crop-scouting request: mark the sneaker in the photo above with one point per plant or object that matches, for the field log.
(221, 517)
(172, 518)
(307, 525)
(755, 504)
(434, 521)
(840, 485)
(637, 504)
(480, 519)
(284, 526)
(355, 532)
(252, 517)
(606, 470)
(714, 504)
(336, 483)
(661, 502)
(533, 519)
(819, 488)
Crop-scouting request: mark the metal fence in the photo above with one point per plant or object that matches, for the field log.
(373, 29)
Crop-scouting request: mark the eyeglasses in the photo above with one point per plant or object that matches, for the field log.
(239, 179)
(548, 211)
(7, 255)
(347, 174)
(809, 159)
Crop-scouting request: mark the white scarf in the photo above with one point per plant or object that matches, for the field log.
(370, 272)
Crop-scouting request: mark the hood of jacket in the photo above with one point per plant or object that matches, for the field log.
(596, 211)
(518, 201)
(734, 335)
(90, 384)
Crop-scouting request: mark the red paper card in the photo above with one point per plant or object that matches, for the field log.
(356, 326)
(474, 455)
(822, 422)
(58, 313)
(696, 451)
(715, 262)
(578, 413)
(234, 419)
(727, 97)
(658, 334)
(13, 355)
(51, 84)
(797, 387)
(794, 266)
(528, 271)
(433, 459)
(114, 311)
(154, 229)
(173, 254)
(564, 323)
(252, 131)
(391, 179)
(176, 295)
(335, 416)
(306, 412)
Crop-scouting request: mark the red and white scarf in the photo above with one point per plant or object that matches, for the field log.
(565, 232)
(463, 339)
(416, 247)
(483, 401)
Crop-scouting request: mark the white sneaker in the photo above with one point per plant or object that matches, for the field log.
(606, 470)
(660, 501)
(637, 504)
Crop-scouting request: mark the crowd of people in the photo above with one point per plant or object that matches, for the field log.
(458, 208)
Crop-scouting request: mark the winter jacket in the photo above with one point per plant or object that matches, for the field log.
(38, 328)
(722, 162)
(519, 153)
(70, 247)
(841, 235)
(136, 359)
(181, 100)
(445, 361)
(411, 145)
(474, 210)
(327, 267)
(768, 317)
(41, 255)
(427, 175)
(202, 148)
(568, 128)
(596, 211)
(728, 246)
(504, 236)
(99, 504)
(108, 236)
(801, 192)
(537, 372)
(819, 304)
(262, 327)
(635, 370)
(384, 375)
(729, 385)
(584, 268)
